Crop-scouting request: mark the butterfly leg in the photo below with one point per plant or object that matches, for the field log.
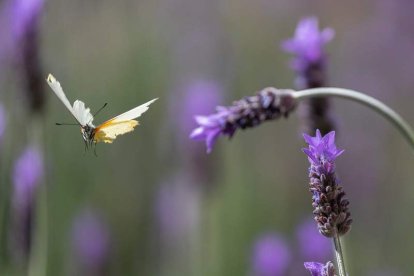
(94, 149)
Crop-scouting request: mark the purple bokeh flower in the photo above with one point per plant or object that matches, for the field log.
(200, 97)
(176, 208)
(91, 242)
(311, 244)
(308, 43)
(330, 207)
(318, 269)
(309, 64)
(24, 28)
(27, 174)
(271, 256)
(24, 14)
(268, 104)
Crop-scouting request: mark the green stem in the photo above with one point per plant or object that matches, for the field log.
(403, 127)
(339, 256)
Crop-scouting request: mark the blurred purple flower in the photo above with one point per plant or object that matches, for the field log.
(308, 43)
(27, 174)
(271, 256)
(24, 14)
(176, 207)
(268, 104)
(311, 244)
(91, 242)
(309, 63)
(330, 206)
(28, 171)
(24, 28)
(200, 97)
(318, 269)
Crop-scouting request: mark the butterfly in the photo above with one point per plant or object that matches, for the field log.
(108, 130)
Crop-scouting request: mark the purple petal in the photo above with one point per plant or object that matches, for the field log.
(308, 139)
(316, 269)
(322, 148)
(330, 138)
(211, 139)
(310, 154)
(198, 133)
(318, 134)
(308, 43)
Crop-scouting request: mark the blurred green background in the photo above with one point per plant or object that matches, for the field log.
(128, 52)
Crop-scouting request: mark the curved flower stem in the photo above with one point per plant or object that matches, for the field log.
(339, 256)
(403, 127)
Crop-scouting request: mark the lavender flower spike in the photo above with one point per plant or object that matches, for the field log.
(268, 104)
(309, 64)
(318, 269)
(27, 175)
(91, 242)
(330, 206)
(308, 47)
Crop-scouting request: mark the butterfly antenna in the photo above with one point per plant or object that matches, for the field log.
(66, 124)
(99, 110)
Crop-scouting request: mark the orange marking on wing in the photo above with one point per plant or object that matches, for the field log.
(109, 130)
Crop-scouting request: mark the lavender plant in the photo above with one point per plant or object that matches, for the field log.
(25, 30)
(309, 64)
(330, 207)
(27, 175)
(28, 220)
(328, 198)
(271, 103)
(249, 112)
(90, 243)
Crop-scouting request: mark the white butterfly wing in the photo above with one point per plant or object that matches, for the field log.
(79, 111)
(133, 113)
(82, 113)
(121, 124)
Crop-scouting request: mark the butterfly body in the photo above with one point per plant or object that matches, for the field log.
(88, 133)
(108, 130)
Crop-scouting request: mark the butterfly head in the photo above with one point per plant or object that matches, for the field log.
(88, 133)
